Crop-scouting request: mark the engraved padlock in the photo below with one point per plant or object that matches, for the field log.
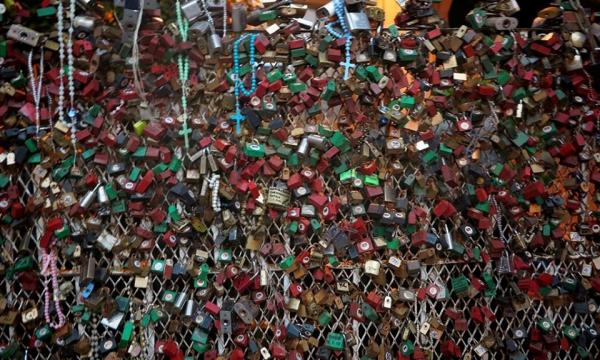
(278, 197)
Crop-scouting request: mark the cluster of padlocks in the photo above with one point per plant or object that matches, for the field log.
(270, 180)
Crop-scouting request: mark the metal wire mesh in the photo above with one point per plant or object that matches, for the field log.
(20, 239)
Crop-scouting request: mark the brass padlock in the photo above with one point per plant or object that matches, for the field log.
(278, 197)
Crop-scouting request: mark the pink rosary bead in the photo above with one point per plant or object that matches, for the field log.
(49, 269)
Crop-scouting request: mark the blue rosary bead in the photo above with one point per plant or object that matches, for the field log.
(238, 81)
(340, 11)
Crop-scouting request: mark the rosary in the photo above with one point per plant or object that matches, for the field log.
(184, 72)
(71, 83)
(49, 269)
(36, 89)
(340, 11)
(238, 82)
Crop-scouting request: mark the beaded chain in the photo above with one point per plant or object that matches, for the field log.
(36, 89)
(50, 122)
(71, 60)
(95, 342)
(50, 273)
(61, 57)
(340, 11)
(184, 72)
(238, 82)
(224, 19)
(209, 17)
(213, 183)
(505, 261)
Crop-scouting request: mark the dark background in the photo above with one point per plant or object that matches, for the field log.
(529, 10)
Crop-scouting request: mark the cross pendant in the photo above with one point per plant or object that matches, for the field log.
(347, 65)
(238, 118)
(185, 131)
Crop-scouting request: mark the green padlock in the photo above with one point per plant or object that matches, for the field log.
(315, 224)
(274, 75)
(254, 150)
(335, 341)
(157, 315)
(10, 351)
(407, 55)
(324, 318)
(199, 336)
(583, 352)
(199, 348)
(369, 312)
(570, 332)
(126, 335)
(292, 228)
(63, 232)
(341, 142)
(287, 262)
(169, 296)
(544, 324)
(460, 284)
(476, 18)
(43, 333)
(329, 90)
(408, 348)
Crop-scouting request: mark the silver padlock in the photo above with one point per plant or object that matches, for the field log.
(246, 310)
(502, 23)
(264, 352)
(574, 63)
(480, 350)
(107, 241)
(180, 301)
(317, 141)
(425, 328)
(358, 21)
(372, 267)
(188, 313)
(129, 23)
(192, 10)
(389, 55)
(303, 147)
(394, 262)
(225, 317)
(326, 10)
(102, 196)
(586, 270)
(87, 200)
(23, 34)
(406, 295)
(387, 302)
(239, 14)
(84, 23)
(215, 46)
(308, 210)
(448, 238)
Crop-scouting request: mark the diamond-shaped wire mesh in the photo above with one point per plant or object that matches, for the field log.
(366, 334)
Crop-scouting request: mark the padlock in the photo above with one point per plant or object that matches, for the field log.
(278, 198)
(372, 267)
(357, 21)
(239, 17)
(24, 35)
(29, 315)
